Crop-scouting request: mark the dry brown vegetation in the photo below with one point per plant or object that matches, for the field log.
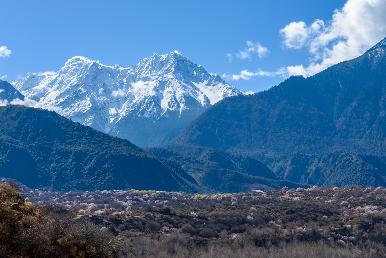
(28, 231)
(287, 223)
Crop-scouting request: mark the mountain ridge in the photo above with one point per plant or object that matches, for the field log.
(164, 92)
(328, 129)
(41, 149)
(341, 108)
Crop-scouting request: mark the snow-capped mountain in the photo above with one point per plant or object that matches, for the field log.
(148, 103)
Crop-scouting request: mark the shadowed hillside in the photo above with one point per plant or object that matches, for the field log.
(42, 149)
(341, 108)
(328, 129)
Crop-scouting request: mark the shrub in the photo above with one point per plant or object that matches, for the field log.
(28, 232)
(207, 232)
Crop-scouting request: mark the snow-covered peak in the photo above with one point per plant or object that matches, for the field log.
(78, 63)
(79, 59)
(98, 95)
(161, 64)
(174, 65)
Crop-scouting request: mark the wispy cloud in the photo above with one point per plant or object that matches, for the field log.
(284, 72)
(251, 49)
(350, 32)
(5, 51)
(247, 75)
(31, 103)
(229, 57)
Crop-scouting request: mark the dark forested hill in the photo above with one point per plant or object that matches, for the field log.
(328, 129)
(341, 108)
(331, 169)
(42, 149)
(220, 171)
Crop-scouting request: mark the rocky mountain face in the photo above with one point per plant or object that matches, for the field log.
(41, 149)
(328, 129)
(8, 93)
(148, 103)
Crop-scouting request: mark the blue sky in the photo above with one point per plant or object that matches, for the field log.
(42, 35)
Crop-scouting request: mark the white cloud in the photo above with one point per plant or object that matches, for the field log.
(34, 104)
(295, 70)
(252, 48)
(3, 77)
(353, 29)
(5, 51)
(26, 102)
(249, 92)
(3, 102)
(31, 103)
(247, 75)
(295, 34)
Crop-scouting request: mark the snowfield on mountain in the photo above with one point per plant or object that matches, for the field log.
(148, 103)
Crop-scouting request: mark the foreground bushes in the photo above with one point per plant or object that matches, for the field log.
(288, 223)
(27, 231)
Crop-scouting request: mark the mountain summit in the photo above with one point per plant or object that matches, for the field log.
(148, 103)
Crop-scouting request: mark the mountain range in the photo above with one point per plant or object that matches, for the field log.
(148, 103)
(200, 133)
(42, 149)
